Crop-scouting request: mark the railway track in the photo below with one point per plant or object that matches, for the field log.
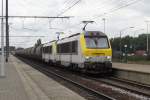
(134, 87)
(92, 85)
(100, 95)
(137, 87)
(92, 91)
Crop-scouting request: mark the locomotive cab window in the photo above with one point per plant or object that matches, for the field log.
(96, 42)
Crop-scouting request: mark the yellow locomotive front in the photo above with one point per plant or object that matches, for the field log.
(96, 51)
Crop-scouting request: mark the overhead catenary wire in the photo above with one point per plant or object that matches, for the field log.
(58, 14)
(67, 9)
(46, 17)
(37, 17)
(101, 15)
(107, 2)
(118, 8)
(72, 6)
(23, 28)
(24, 17)
(113, 2)
(25, 36)
(98, 16)
(117, 4)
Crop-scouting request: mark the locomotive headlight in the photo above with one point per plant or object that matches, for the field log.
(87, 58)
(108, 58)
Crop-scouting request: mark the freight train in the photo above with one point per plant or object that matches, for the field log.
(89, 51)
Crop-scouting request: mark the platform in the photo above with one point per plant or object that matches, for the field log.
(135, 72)
(132, 67)
(23, 82)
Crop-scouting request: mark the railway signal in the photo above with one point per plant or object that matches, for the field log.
(121, 41)
(125, 46)
(58, 34)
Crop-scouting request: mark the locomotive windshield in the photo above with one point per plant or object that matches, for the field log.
(96, 42)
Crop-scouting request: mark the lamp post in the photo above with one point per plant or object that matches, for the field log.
(2, 68)
(147, 49)
(7, 32)
(121, 42)
(104, 23)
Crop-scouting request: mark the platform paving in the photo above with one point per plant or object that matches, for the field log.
(134, 72)
(11, 86)
(132, 67)
(23, 82)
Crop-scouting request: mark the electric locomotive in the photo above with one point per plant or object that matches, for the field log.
(89, 51)
(96, 52)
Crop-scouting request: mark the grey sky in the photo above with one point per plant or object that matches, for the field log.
(134, 15)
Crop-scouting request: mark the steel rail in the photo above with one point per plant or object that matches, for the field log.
(111, 82)
(130, 82)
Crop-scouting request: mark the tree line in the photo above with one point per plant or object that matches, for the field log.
(133, 43)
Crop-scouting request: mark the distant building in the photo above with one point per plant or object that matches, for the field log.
(140, 52)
